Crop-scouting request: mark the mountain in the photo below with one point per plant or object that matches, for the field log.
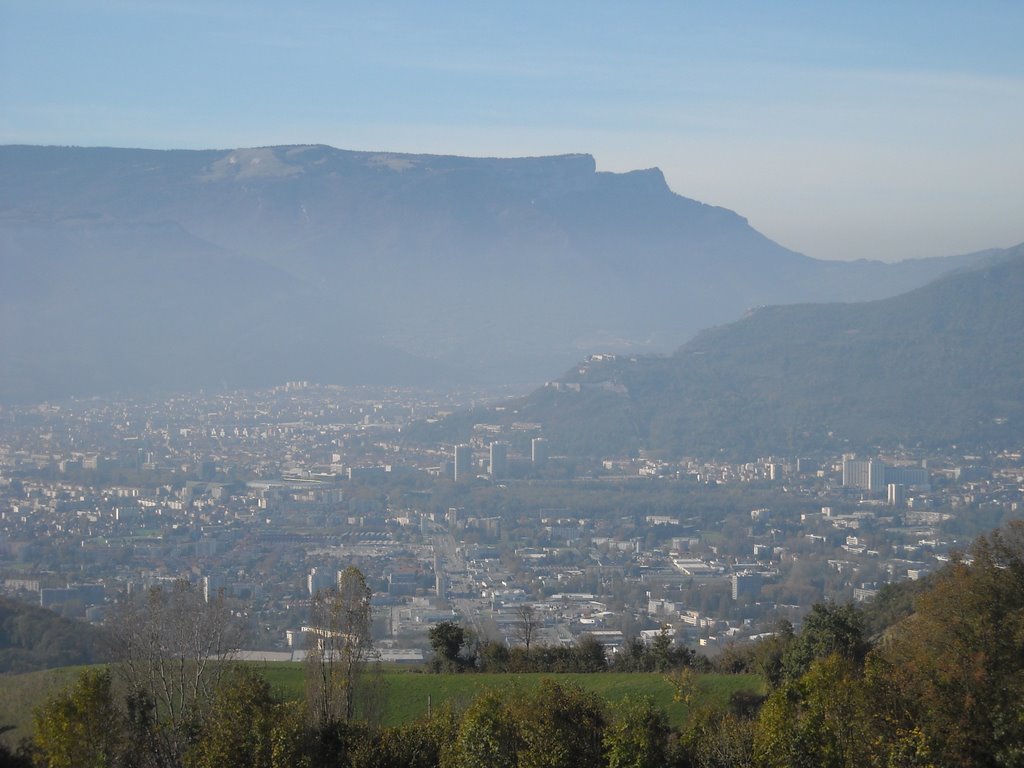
(140, 269)
(940, 364)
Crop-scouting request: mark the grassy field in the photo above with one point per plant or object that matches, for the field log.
(407, 692)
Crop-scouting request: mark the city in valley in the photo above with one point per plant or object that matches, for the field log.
(264, 496)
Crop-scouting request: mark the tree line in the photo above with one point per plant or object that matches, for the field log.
(457, 649)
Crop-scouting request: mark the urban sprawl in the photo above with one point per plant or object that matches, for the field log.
(263, 497)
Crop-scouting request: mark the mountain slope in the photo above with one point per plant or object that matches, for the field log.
(943, 363)
(142, 269)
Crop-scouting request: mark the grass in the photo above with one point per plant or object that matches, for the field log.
(407, 695)
(21, 694)
(407, 692)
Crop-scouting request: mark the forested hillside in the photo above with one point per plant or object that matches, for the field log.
(943, 364)
(34, 638)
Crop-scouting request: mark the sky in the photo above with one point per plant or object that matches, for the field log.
(842, 130)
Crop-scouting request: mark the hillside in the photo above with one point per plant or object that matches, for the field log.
(33, 638)
(140, 269)
(943, 363)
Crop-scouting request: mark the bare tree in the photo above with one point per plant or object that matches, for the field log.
(527, 624)
(172, 645)
(339, 646)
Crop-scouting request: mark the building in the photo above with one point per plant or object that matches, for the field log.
(86, 594)
(873, 475)
(402, 582)
(867, 475)
(499, 460)
(464, 469)
(213, 586)
(909, 477)
(539, 451)
(746, 584)
(896, 494)
(806, 466)
(319, 579)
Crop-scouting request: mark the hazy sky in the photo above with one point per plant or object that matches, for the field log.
(840, 129)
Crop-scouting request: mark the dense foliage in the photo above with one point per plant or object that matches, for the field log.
(944, 686)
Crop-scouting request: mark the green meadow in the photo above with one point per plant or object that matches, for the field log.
(409, 693)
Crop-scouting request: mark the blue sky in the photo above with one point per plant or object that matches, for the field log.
(842, 130)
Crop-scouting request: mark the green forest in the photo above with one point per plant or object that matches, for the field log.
(926, 675)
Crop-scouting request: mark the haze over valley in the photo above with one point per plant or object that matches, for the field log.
(134, 270)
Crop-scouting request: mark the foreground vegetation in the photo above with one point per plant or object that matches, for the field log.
(410, 694)
(942, 683)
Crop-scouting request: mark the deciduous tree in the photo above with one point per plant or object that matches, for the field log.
(173, 647)
(528, 622)
(828, 629)
(82, 727)
(820, 719)
(340, 645)
(561, 726)
(488, 735)
(958, 661)
(637, 736)
(237, 730)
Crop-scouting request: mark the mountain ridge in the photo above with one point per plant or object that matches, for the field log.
(460, 269)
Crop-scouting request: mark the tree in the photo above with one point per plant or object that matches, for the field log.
(527, 624)
(81, 727)
(821, 719)
(446, 640)
(561, 726)
(488, 735)
(237, 730)
(291, 737)
(553, 726)
(637, 736)
(340, 645)
(714, 738)
(828, 629)
(9, 758)
(770, 652)
(589, 654)
(957, 663)
(632, 657)
(662, 653)
(173, 646)
(493, 656)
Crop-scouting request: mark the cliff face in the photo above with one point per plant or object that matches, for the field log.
(133, 269)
